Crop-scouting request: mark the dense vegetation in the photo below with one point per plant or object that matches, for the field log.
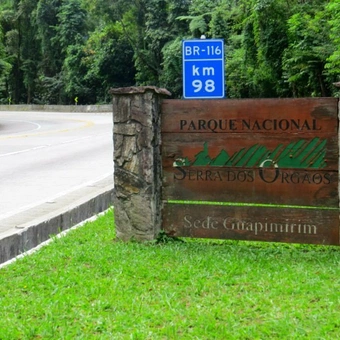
(60, 51)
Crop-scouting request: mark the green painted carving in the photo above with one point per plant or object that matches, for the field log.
(297, 155)
(203, 156)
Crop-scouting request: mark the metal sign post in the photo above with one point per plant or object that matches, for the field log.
(203, 69)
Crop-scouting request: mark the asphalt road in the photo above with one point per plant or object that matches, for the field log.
(45, 155)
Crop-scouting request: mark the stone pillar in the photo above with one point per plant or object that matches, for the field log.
(137, 162)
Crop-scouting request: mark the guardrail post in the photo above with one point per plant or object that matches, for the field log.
(137, 162)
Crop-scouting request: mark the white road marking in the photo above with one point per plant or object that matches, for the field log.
(25, 150)
(38, 126)
(49, 145)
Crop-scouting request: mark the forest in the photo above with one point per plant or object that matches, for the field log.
(74, 51)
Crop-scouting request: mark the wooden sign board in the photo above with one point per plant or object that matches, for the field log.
(264, 169)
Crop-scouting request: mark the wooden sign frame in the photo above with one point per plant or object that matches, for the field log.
(257, 169)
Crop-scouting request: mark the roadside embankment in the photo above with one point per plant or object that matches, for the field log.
(24, 231)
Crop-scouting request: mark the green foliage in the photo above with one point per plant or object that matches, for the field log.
(332, 65)
(163, 237)
(5, 69)
(46, 20)
(171, 77)
(74, 73)
(305, 59)
(54, 50)
(109, 62)
(71, 26)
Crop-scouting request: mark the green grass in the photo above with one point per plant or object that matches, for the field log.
(88, 286)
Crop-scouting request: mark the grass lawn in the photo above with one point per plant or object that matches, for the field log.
(88, 286)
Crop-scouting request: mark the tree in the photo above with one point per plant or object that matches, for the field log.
(171, 77)
(332, 66)
(5, 65)
(12, 40)
(46, 21)
(106, 60)
(29, 47)
(305, 58)
(49, 83)
(5, 69)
